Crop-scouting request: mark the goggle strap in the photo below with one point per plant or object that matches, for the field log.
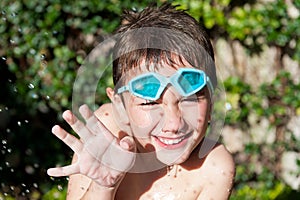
(210, 86)
(122, 89)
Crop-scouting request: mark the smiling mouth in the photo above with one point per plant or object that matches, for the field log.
(172, 141)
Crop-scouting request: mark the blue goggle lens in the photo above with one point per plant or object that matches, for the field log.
(146, 86)
(190, 81)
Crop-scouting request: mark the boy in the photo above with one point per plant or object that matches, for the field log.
(149, 143)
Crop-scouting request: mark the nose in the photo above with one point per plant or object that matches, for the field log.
(173, 118)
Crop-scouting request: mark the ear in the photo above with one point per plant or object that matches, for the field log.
(110, 93)
(119, 111)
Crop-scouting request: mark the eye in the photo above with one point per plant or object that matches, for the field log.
(150, 103)
(190, 99)
(193, 99)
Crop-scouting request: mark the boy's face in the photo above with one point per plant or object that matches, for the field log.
(173, 125)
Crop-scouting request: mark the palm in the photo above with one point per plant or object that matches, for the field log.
(100, 155)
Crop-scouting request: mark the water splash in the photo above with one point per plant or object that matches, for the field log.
(60, 187)
(43, 56)
(30, 86)
(34, 96)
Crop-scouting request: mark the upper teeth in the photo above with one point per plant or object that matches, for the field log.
(170, 141)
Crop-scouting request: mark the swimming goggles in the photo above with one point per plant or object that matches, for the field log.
(150, 86)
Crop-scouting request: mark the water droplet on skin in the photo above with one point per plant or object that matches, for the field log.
(30, 86)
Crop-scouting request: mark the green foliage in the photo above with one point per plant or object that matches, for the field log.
(277, 101)
(56, 193)
(253, 24)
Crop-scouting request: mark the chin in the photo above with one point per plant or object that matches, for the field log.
(173, 156)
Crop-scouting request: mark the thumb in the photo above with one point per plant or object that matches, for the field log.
(127, 143)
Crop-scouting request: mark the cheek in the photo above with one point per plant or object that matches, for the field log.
(195, 115)
(143, 122)
(140, 118)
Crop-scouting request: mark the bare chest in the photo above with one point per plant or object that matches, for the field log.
(174, 185)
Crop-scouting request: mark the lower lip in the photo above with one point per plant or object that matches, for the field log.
(171, 146)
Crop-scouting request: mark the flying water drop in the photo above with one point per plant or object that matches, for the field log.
(31, 86)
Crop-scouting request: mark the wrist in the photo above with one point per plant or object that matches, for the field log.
(97, 191)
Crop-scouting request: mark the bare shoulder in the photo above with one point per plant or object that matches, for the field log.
(220, 168)
(78, 185)
(221, 157)
(105, 114)
(104, 110)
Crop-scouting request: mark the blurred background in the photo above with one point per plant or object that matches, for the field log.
(257, 46)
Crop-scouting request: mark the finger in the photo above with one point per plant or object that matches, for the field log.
(70, 140)
(94, 124)
(90, 118)
(63, 171)
(127, 143)
(77, 125)
(118, 158)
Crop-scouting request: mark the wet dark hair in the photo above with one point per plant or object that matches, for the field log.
(155, 35)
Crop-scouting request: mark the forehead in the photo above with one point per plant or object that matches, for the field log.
(163, 67)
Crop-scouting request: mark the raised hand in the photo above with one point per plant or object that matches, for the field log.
(101, 156)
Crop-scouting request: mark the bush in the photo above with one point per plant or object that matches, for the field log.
(43, 44)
